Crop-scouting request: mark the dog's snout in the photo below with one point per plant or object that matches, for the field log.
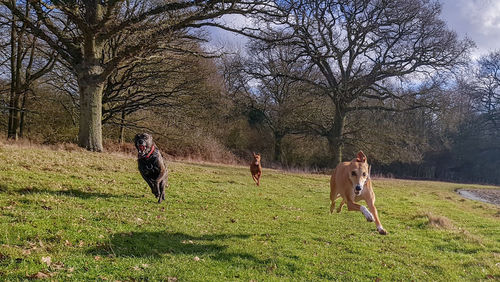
(142, 142)
(358, 187)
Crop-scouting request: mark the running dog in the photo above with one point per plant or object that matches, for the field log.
(351, 181)
(151, 165)
(256, 168)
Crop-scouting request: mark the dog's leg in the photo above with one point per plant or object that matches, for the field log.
(158, 191)
(333, 193)
(258, 179)
(161, 187)
(355, 207)
(152, 185)
(163, 190)
(341, 205)
(373, 209)
(332, 205)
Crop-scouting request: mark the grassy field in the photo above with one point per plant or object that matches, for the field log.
(81, 215)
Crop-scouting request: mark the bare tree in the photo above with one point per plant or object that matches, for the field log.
(487, 89)
(275, 95)
(362, 48)
(29, 60)
(80, 30)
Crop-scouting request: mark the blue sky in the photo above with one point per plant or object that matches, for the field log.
(477, 19)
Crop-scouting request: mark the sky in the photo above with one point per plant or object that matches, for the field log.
(479, 20)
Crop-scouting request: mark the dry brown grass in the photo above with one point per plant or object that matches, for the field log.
(439, 221)
(119, 148)
(211, 152)
(27, 143)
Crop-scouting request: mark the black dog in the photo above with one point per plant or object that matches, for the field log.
(151, 165)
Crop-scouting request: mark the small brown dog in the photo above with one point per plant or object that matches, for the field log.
(351, 181)
(256, 168)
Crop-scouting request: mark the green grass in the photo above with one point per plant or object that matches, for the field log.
(80, 215)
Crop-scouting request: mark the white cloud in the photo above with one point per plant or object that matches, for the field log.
(226, 41)
(477, 19)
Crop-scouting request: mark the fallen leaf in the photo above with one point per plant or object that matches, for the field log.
(97, 258)
(67, 243)
(58, 265)
(47, 260)
(196, 259)
(171, 279)
(39, 275)
(272, 267)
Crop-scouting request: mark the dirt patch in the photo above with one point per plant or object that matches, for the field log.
(491, 196)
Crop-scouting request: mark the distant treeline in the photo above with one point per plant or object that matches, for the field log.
(317, 82)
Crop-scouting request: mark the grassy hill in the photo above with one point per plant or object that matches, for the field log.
(81, 215)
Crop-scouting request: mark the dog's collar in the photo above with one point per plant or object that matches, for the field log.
(150, 152)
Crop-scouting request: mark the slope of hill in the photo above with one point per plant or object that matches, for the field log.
(82, 215)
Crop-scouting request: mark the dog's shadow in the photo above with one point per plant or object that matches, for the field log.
(157, 244)
(70, 193)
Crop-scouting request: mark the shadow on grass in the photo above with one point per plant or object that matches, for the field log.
(71, 193)
(156, 244)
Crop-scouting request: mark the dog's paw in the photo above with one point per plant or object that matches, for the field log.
(368, 215)
(381, 231)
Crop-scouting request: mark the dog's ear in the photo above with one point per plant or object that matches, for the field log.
(360, 157)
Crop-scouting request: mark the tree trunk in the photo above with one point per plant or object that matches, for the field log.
(278, 154)
(121, 139)
(335, 138)
(22, 118)
(14, 116)
(13, 99)
(90, 88)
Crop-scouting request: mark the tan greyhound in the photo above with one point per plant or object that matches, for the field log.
(351, 181)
